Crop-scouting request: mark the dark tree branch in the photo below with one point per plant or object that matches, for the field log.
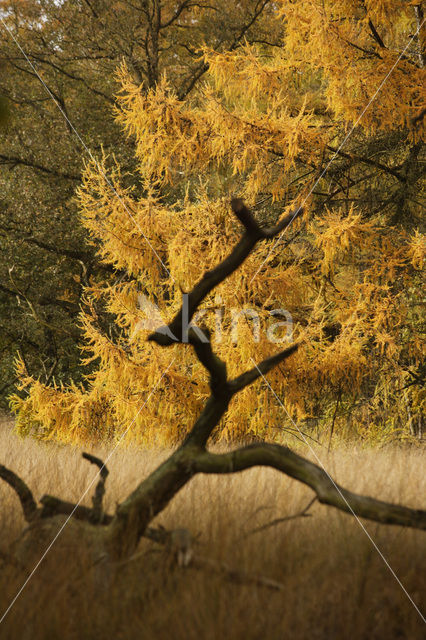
(261, 369)
(15, 160)
(300, 514)
(212, 278)
(213, 364)
(53, 506)
(222, 389)
(201, 69)
(97, 510)
(418, 11)
(369, 161)
(209, 418)
(153, 494)
(376, 35)
(68, 74)
(327, 491)
(83, 256)
(186, 4)
(358, 48)
(29, 506)
(43, 301)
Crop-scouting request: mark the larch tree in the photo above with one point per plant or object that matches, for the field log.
(74, 47)
(332, 120)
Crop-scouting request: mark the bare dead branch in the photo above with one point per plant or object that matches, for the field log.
(327, 491)
(179, 547)
(234, 575)
(14, 161)
(153, 494)
(183, 5)
(212, 278)
(203, 66)
(246, 217)
(29, 506)
(300, 514)
(261, 369)
(97, 511)
(53, 506)
(214, 365)
(223, 390)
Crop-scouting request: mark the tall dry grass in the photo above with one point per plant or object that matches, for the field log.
(336, 585)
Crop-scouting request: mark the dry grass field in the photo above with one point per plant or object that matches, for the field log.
(335, 584)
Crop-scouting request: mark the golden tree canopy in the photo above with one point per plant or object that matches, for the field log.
(331, 120)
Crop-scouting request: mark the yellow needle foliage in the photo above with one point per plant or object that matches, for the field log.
(261, 125)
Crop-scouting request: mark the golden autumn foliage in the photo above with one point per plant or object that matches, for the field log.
(329, 120)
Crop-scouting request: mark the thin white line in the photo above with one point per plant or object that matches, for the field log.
(343, 497)
(81, 498)
(90, 154)
(340, 147)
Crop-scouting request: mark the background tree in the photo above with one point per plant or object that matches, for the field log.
(76, 46)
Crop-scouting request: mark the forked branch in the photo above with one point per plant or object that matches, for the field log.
(211, 279)
(95, 515)
(304, 513)
(154, 493)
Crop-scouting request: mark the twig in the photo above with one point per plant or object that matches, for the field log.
(334, 419)
(273, 523)
(234, 575)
